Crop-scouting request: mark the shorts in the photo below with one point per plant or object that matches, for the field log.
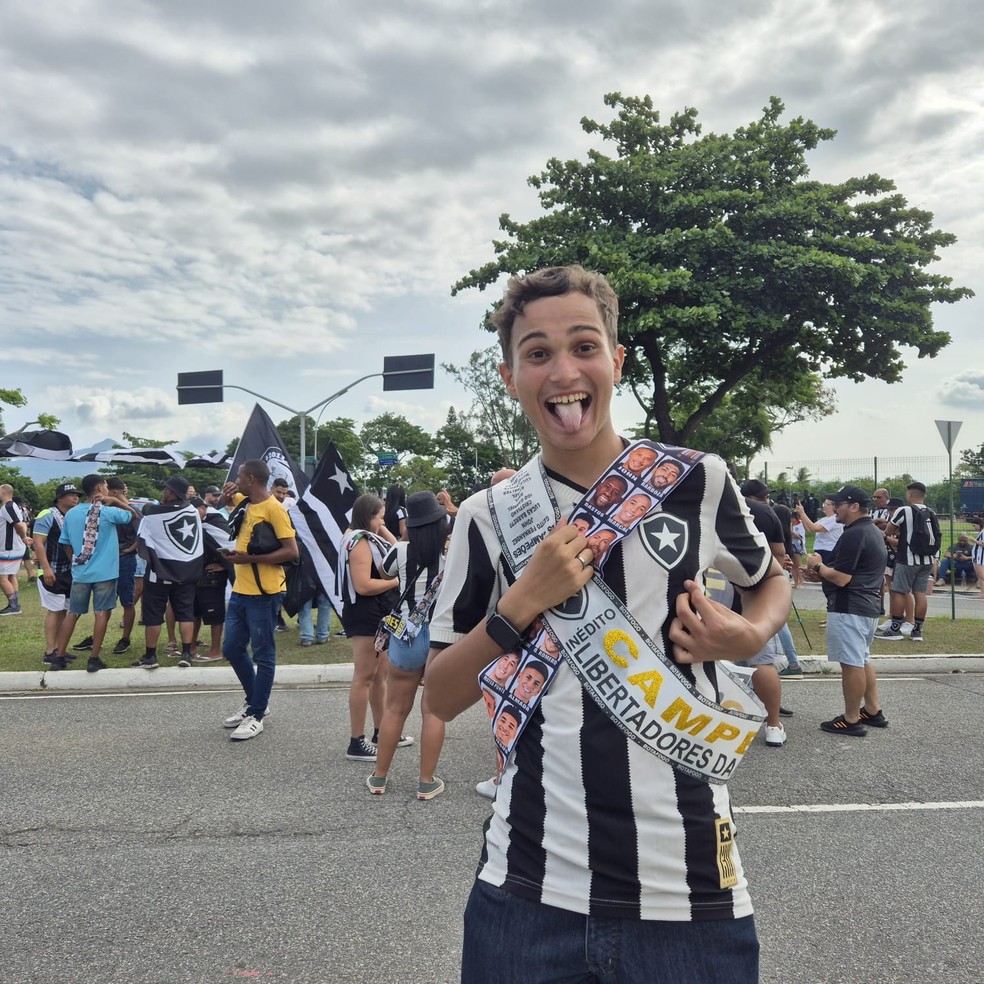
(210, 603)
(124, 583)
(911, 577)
(849, 638)
(102, 593)
(141, 567)
(157, 594)
(769, 655)
(50, 601)
(10, 566)
(410, 656)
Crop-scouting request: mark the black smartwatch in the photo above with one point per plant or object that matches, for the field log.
(816, 567)
(505, 635)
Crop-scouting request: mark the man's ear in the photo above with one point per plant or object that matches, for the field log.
(507, 377)
(619, 360)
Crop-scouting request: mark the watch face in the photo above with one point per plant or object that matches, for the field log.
(502, 632)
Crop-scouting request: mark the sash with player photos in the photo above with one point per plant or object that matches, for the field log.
(627, 675)
(407, 629)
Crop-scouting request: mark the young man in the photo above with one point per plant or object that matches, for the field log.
(852, 583)
(596, 844)
(13, 541)
(89, 538)
(251, 617)
(55, 580)
(127, 580)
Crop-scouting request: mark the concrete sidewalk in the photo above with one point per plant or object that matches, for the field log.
(340, 674)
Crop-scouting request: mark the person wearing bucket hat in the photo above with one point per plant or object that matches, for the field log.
(417, 562)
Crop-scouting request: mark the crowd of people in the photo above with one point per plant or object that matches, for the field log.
(569, 599)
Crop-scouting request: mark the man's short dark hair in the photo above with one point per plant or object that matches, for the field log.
(91, 482)
(512, 712)
(280, 483)
(115, 482)
(916, 487)
(553, 282)
(257, 468)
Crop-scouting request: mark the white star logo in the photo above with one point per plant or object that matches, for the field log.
(187, 531)
(342, 479)
(667, 538)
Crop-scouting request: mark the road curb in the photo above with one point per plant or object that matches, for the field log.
(293, 675)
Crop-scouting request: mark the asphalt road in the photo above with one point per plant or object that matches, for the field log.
(139, 844)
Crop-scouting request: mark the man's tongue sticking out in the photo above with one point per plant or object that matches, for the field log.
(569, 415)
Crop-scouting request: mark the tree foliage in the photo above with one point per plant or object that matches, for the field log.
(730, 265)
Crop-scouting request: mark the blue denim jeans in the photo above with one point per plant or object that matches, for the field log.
(788, 646)
(305, 622)
(250, 623)
(508, 938)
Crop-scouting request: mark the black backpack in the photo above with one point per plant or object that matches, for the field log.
(924, 537)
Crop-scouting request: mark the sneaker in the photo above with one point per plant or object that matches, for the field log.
(205, 658)
(341, 634)
(307, 642)
(376, 785)
(487, 788)
(56, 662)
(185, 659)
(12, 610)
(241, 715)
(280, 628)
(792, 673)
(840, 726)
(360, 750)
(94, 665)
(916, 635)
(428, 790)
(889, 633)
(172, 648)
(84, 646)
(49, 658)
(785, 712)
(906, 629)
(146, 662)
(249, 727)
(123, 646)
(405, 741)
(875, 720)
(775, 737)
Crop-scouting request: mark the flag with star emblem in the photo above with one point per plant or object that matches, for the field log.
(321, 517)
(169, 537)
(262, 441)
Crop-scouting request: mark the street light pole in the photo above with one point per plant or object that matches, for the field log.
(948, 432)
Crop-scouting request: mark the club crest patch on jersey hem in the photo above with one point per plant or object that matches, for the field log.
(665, 538)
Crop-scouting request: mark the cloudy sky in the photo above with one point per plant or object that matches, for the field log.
(287, 191)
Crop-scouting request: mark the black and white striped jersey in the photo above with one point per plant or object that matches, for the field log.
(11, 545)
(902, 518)
(585, 819)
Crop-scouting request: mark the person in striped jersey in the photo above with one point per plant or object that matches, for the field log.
(600, 857)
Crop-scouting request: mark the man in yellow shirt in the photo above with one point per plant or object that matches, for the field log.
(257, 593)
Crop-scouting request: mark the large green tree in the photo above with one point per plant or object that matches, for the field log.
(729, 263)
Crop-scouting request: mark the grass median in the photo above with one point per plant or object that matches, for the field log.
(22, 641)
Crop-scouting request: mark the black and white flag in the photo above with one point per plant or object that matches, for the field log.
(169, 537)
(322, 515)
(261, 440)
(48, 444)
(217, 459)
(133, 456)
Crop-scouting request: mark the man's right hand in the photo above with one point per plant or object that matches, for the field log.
(49, 579)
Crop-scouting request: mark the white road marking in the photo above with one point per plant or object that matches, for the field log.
(862, 807)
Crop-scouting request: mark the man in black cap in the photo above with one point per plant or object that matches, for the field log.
(170, 538)
(852, 583)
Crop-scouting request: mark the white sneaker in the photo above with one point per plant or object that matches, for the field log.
(487, 788)
(906, 629)
(405, 741)
(775, 737)
(250, 728)
(240, 715)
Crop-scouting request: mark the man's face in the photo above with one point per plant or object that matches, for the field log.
(505, 667)
(881, 499)
(212, 498)
(640, 459)
(528, 684)
(67, 501)
(600, 542)
(280, 492)
(608, 492)
(505, 728)
(665, 473)
(563, 372)
(489, 702)
(581, 525)
(634, 508)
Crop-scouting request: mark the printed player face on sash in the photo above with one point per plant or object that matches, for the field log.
(563, 371)
(530, 681)
(634, 508)
(582, 525)
(600, 542)
(639, 459)
(505, 667)
(609, 491)
(664, 474)
(507, 725)
(489, 699)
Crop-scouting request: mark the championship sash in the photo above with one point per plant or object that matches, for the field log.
(627, 675)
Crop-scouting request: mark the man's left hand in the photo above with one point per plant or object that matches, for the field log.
(705, 630)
